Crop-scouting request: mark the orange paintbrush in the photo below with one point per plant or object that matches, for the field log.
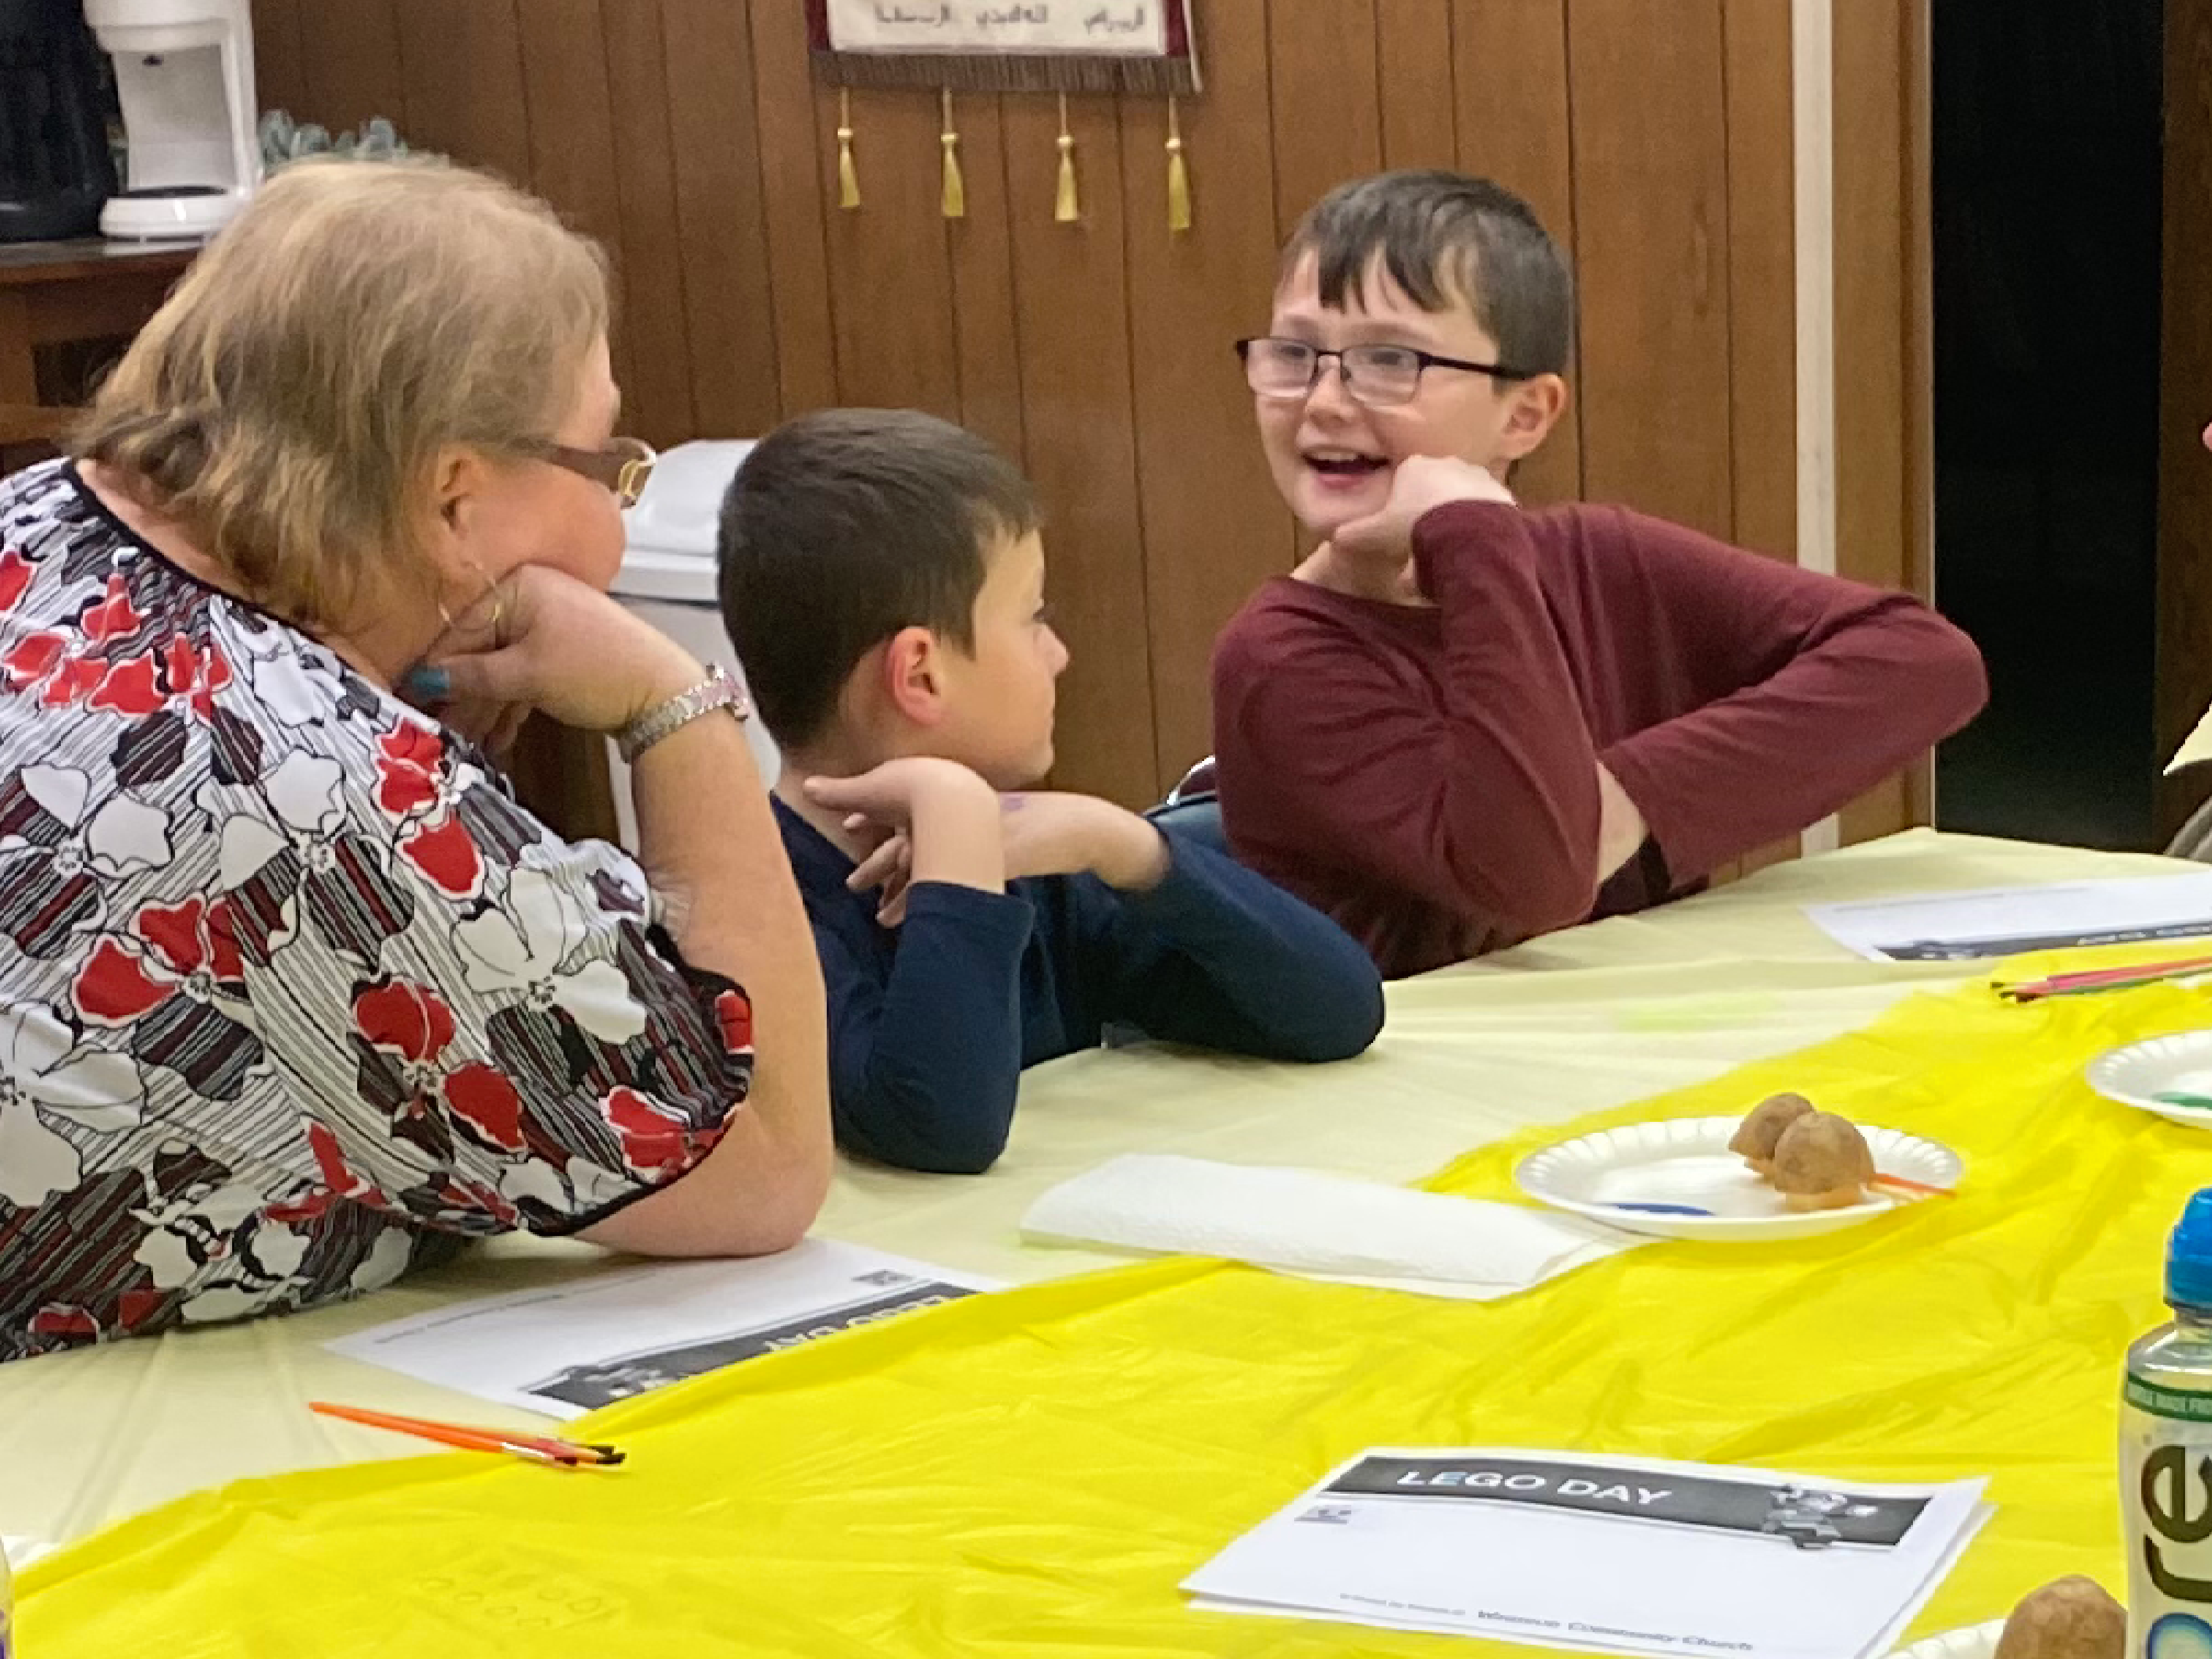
(538, 1449)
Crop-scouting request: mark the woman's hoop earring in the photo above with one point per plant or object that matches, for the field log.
(498, 592)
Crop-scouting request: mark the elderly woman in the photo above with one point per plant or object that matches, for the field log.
(294, 996)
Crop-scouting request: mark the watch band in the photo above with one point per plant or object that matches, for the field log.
(718, 690)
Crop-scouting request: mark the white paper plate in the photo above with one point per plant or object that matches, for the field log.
(2132, 1075)
(1686, 1161)
(1971, 1642)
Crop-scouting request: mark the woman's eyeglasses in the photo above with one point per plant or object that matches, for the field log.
(623, 464)
(1379, 376)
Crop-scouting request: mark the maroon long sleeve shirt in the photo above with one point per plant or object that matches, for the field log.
(1428, 776)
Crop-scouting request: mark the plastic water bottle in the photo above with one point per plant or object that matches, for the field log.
(2166, 1457)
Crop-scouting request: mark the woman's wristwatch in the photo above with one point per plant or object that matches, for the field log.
(718, 690)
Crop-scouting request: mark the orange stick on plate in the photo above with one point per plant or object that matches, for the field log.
(1906, 1184)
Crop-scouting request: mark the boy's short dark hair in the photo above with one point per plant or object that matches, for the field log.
(1444, 235)
(844, 527)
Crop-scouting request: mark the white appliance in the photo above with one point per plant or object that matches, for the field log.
(184, 76)
(667, 578)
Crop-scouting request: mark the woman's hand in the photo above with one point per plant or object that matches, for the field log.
(540, 641)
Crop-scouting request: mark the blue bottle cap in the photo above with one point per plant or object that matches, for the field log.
(2188, 1254)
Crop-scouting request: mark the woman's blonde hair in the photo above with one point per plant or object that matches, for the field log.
(287, 406)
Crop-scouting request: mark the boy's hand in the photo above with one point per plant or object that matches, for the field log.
(939, 821)
(1421, 483)
(887, 872)
(1054, 834)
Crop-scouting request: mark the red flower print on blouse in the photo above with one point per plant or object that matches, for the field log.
(733, 1012)
(15, 574)
(417, 789)
(41, 663)
(168, 980)
(153, 681)
(655, 1140)
(406, 1030)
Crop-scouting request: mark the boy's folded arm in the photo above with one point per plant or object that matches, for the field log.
(925, 1067)
(1827, 687)
(1218, 956)
(1490, 806)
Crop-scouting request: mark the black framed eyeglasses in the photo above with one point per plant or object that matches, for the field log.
(623, 464)
(1379, 376)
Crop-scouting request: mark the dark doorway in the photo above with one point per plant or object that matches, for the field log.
(2047, 209)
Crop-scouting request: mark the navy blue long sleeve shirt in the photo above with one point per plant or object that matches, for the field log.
(931, 1022)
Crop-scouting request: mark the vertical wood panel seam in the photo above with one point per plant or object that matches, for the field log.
(1812, 94)
(529, 153)
(1274, 198)
(822, 222)
(1917, 158)
(399, 116)
(310, 83)
(1296, 531)
(1129, 217)
(1573, 246)
(829, 244)
(1382, 92)
(1014, 290)
(1812, 100)
(1919, 506)
(759, 169)
(946, 230)
(1727, 257)
(621, 229)
(285, 19)
(1451, 75)
(1274, 173)
(676, 210)
(529, 181)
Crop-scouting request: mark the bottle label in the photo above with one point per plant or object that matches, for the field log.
(2167, 1403)
(2166, 1489)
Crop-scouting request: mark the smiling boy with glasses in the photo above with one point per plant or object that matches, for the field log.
(1458, 724)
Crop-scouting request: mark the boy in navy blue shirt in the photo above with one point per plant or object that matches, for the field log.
(882, 577)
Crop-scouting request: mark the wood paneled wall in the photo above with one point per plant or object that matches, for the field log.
(1653, 136)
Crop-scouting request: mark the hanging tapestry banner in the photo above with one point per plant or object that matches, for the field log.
(1007, 46)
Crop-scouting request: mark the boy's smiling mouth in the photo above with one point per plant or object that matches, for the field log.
(1338, 463)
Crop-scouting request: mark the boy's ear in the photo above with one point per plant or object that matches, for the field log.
(913, 670)
(1537, 405)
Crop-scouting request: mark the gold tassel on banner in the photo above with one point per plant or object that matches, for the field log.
(849, 175)
(1178, 173)
(1064, 208)
(956, 187)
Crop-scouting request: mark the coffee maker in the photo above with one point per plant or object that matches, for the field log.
(55, 170)
(184, 77)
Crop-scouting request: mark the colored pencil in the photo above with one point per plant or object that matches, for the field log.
(2105, 979)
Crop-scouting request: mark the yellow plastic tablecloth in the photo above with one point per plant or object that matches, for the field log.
(1034, 1473)
(1577, 1022)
